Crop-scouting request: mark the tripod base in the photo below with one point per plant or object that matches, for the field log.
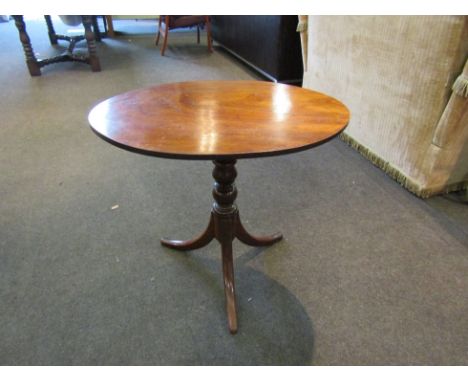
(224, 225)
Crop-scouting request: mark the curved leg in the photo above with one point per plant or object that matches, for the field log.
(229, 289)
(247, 238)
(159, 30)
(166, 33)
(187, 245)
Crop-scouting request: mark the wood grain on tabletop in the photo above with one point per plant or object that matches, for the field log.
(219, 119)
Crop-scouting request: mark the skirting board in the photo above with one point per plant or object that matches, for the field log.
(256, 68)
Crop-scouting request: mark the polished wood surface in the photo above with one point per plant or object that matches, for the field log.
(219, 119)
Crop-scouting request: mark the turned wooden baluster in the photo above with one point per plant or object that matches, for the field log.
(31, 61)
(89, 35)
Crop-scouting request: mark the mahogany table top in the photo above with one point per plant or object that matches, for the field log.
(219, 119)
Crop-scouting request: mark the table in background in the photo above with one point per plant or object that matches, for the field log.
(35, 65)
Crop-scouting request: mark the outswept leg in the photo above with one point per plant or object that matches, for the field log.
(199, 242)
(229, 287)
(255, 241)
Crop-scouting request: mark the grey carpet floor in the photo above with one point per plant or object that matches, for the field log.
(367, 274)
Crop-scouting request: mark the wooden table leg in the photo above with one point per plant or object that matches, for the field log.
(110, 26)
(229, 285)
(97, 32)
(31, 61)
(254, 241)
(89, 35)
(199, 242)
(225, 226)
(50, 29)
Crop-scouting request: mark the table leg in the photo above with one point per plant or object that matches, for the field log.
(254, 241)
(199, 242)
(110, 26)
(97, 32)
(51, 30)
(31, 61)
(225, 226)
(89, 35)
(229, 285)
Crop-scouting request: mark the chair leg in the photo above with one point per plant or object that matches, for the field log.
(208, 33)
(166, 33)
(198, 34)
(159, 30)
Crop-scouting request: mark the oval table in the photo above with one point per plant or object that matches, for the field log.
(220, 121)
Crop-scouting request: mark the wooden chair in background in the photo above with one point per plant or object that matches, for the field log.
(173, 22)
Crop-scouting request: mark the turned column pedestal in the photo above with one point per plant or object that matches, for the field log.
(225, 225)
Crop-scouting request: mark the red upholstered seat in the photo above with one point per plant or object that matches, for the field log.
(182, 21)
